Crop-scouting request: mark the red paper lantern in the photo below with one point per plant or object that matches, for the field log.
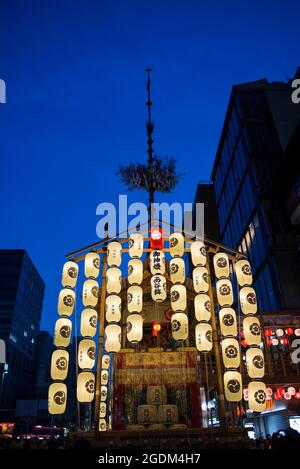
(297, 395)
(278, 397)
(156, 238)
(268, 342)
(284, 341)
(268, 332)
(280, 391)
(289, 331)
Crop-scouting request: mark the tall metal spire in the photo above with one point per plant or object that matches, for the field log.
(150, 128)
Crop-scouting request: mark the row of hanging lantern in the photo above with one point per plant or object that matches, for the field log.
(134, 324)
(57, 395)
(104, 381)
(202, 304)
(231, 355)
(113, 303)
(255, 363)
(178, 295)
(88, 327)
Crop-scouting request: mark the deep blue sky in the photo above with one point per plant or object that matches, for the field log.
(76, 104)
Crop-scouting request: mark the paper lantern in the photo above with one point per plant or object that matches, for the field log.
(113, 308)
(135, 272)
(105, 362)
(90, 293)
(180, 326)
(200, 279)
(228, 324)
(62, 332)
(135, 299)
(156, 238)
(86, 354)
(158, 288)
(268, 342)
(177, 270)
(233, 386)
(178, 297)
(274, 342)
(59, 365)
(102, 410)
(248, 300)
(92, 265)
(269, 393)
(231, 353)
(198, 253)
(134, 328)
(88, 322)
(289, 331)
(136, 245)
(168, 414)
(287, 396)
(297, 332)
(69, 274)
(147, 414)
(243, 273)
(66, 302)
(252, 330)
(113, 279)
(257, 396)
(221, 265)
(245, 394)
(202, 307)
(268, 333)
(176, 242)
(297, 395)
(291, 390)
(85, 386)
(156, 395)
(104, 378)
(255, 363)
(284, 341)
(114, 254)
(113, 334)
(157, 262)
(203, 337)
(224, 292)
(102, 425)
(57, 398)
(279, 332)
(103, 393)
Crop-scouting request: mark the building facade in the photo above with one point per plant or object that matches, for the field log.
(21, 301)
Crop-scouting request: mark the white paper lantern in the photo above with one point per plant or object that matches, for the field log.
(257, 393)
(243, 273)
(103, 393)
(113, 308)
(91, 265)
(85, 386)
(233, 386)
(231, 353)
(158, 288)
(102, 410)
(279, 332)
(203, 337)
(202, 307)
(248, 300)
(134, 328)
(252, 330)
(221, 265)
(180, 326)
(69, 274)
(198, 253)
(136, 245)
(135, 299)
(114, 254)
(255, 363)
(62, 332)
(157, 395)
(177, 270)
(274, 342)
(59, 365)
(224, 292)
(104, 378)
(297, 332)
(178, 297)
(147, 414)
(88, 322)
(228, 324)
(168, 414)
(113, 334)
(86, 354)
(114, 280)
(90, 293)
(105, 362)
(135, 272)
(57, 398)
(157, 262)
(291, 390)
(176, 242)
(200, 279)
(102, 425)
(66, 302)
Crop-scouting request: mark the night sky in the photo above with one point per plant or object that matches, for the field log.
(76, 96)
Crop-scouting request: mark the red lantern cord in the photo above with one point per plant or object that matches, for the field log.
(244, 343)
